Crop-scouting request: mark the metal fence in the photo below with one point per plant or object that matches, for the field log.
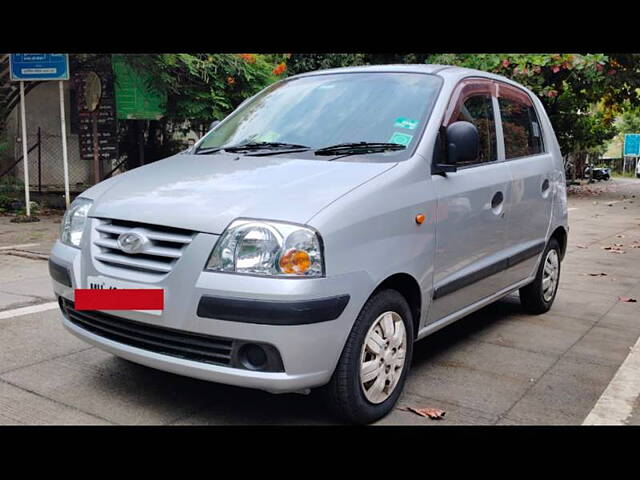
(46, 172)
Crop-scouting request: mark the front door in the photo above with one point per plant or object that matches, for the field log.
(471, 216)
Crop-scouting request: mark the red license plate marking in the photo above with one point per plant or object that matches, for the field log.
(119, 299)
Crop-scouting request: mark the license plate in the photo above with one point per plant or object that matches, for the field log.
(106, 283)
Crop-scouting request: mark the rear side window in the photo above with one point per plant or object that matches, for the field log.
(521, 127)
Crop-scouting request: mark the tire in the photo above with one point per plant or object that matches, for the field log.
(345, 394)
(533, 298)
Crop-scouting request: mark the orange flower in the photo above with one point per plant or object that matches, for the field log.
(248, 57)
(279, 69)
(231, 80)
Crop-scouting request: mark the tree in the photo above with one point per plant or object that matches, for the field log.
(199, 88)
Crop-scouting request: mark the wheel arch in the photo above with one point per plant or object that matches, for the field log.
(409, 288)
(560, 234)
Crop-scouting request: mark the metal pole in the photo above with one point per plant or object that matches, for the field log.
(96, 149)
(39, 161)
(65, 160)
(24, 150)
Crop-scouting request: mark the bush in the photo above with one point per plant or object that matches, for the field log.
(5, 202)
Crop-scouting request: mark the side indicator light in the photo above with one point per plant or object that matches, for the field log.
(420, 218)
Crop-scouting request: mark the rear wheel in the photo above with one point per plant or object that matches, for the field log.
(538, 296)
(375, 360)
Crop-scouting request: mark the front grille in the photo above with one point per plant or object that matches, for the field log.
(177, 343)
(167, 245)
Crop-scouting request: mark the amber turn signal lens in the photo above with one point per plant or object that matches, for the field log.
(295, 261)
(420, 219)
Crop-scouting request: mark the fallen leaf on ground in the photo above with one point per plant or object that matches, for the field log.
(433, 413)
(581, 246)
(615, 248)
(597, 274)
(620, 236)
(627, 299)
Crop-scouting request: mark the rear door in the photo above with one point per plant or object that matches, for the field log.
(471, 225)
(531, 167)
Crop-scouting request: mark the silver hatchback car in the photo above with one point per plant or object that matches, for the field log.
(333, 219)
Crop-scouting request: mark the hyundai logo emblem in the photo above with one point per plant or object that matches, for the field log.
(132, 242)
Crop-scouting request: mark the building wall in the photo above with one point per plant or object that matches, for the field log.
(43, 110)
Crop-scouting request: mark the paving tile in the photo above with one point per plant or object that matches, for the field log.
(606, 285)
(454, 414)
(580, 304)
(623, 315)
(549, 334)
(33, 287)
(18, 407)
(604, 346)
(99, 383)
(563, 396)
(243, 406)
(478, 375)
(29, 339)
(9, 301)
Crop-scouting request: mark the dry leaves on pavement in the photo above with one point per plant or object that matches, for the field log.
(615, 248)
(627, 299)
(433, 413)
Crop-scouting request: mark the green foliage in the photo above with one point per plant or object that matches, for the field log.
(204, 87)
(629, 121)
(5, 202)
(300, 63)
(10, 185)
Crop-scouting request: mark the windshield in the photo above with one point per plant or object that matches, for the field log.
(326, 110)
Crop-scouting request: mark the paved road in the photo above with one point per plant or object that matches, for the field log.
(497, 366)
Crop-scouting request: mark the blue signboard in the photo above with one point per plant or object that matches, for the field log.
(632, 145)
(39, 66)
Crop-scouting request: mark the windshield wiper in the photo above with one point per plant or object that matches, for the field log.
(205, 151)
(359, 147)
(251, 146)
(264, 146)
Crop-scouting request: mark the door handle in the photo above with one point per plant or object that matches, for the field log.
(497, 199)
(545, 185)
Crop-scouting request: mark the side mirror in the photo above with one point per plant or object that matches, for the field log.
(462, 142)
(214, 124)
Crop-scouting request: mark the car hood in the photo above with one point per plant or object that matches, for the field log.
(206, 192)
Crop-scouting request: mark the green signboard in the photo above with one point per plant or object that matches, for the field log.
(134, 99)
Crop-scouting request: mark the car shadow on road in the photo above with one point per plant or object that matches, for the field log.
(206, 403)
(209, 403)
(460, 331)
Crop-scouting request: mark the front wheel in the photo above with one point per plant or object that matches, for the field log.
(375, 360)
(538, 296)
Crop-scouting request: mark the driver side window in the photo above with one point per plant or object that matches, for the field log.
(478, 109)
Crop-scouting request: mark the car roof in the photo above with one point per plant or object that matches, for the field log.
(448, 72)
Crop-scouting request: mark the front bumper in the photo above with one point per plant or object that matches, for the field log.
(309, 350)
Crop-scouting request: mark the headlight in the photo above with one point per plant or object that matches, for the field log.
(268, 248)
(73, 222)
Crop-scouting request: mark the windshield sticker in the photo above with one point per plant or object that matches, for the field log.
(269, 136)
(401, 138)
(402, 122)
